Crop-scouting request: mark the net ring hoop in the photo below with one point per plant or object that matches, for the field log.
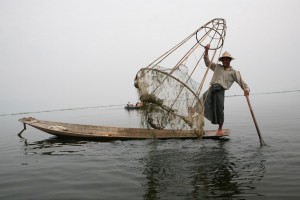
(221, 37)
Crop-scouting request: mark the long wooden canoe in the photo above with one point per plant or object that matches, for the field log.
(111, 133)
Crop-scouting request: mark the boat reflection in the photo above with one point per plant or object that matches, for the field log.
(186, 169)
(54, 146)
(210, 171)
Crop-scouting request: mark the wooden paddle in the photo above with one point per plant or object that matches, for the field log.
(262, 143)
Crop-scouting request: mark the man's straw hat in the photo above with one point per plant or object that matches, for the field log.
(226, 54)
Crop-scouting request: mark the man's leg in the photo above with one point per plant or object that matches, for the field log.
(220, 131)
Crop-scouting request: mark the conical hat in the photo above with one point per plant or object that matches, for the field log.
(226, 54)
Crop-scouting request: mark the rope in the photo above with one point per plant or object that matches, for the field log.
(63, 109)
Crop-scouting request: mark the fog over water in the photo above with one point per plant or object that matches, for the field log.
(71, 53)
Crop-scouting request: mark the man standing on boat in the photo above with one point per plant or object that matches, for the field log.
(223, 77)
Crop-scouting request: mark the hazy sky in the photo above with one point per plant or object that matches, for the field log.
(75, 53)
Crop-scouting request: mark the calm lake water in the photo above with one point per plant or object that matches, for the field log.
(41, 166)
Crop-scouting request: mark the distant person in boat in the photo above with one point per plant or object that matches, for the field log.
(129, 104)
(223, 77)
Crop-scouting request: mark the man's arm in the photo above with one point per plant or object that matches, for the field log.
(207, 61)
(242, 84)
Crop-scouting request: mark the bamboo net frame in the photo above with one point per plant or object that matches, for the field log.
(166, 87)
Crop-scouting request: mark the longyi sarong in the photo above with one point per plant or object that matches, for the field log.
(214, 104)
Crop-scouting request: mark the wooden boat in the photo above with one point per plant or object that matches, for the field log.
(111, 133)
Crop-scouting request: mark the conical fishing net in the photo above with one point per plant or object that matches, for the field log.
(171, 86)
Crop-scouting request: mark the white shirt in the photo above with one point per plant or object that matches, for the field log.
(223, 77)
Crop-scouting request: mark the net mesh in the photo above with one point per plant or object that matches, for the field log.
(171, 86)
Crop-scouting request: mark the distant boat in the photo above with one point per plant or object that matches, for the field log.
(132, 107)
(112, 133)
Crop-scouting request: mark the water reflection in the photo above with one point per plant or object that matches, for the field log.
(206, 172)
(174, 169)
(54, 146)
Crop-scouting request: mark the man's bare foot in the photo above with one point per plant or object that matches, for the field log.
(220, 132)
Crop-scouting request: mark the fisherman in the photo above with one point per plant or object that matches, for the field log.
(223, 77)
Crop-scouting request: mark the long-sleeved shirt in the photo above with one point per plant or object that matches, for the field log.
(223, 77)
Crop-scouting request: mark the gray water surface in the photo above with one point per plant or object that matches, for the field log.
(41, 166)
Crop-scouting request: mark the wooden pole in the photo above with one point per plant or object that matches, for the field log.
(262, 143)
